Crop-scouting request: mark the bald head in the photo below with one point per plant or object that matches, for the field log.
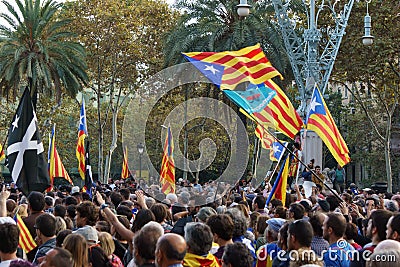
(171, 249)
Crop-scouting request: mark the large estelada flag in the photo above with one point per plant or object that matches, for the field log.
(80, 146)
(26, 242)
(125, 168)
(269, 104)
(279, 188)
(319, 120)
(56, 167)
(234, 67)
(167, 175)
(25, 152)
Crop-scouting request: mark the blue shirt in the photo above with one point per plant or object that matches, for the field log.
(44, 248)
(339, 254)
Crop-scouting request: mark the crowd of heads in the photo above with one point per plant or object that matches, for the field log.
(213, 224)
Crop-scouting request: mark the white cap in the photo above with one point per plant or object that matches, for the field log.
(75, 189)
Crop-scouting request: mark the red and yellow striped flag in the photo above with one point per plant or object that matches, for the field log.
(230, 68)
(125, 168)
(280, 113)
(56, 167)
(278, 190)
(2, 154)
(80, 147)
(167, 176)
(319, 120)
(26, 242)
(265, 138)
(245, 65)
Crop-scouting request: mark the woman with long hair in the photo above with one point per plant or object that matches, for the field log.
(108, 245)
(77, 245)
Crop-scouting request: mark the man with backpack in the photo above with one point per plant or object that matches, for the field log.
(338, 179)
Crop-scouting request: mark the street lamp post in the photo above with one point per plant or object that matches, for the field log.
(310, 66)
(313, 54)
(367, 39)
(140, 148)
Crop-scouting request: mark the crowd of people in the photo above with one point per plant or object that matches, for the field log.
(213, 224)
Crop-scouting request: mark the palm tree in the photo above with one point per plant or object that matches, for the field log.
(37, 52)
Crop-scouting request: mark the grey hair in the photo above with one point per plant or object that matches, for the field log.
(153, 227)
(172, 197)
(150, 202)
(239, 220)
(221, 209)
(198, 237)
(392, 205)
(185, 197)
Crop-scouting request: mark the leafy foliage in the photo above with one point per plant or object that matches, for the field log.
(36, 50)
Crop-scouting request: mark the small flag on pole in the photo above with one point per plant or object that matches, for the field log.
(125, 168)
(279, 188)
(26, 242)
(2, 154)
(277, 150)
(266, 139)
(167, 176)
(56, 167)
(80, 147)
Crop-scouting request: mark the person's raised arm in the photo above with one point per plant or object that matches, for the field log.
(4, 195)
(113, 220)
(140, 199)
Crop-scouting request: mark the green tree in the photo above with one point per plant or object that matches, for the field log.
(123, 41)
(36, 50)
(215, 26)
(372, 74)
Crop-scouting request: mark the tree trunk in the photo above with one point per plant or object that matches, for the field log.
(113, 145)
(388, 158)
(100, 134)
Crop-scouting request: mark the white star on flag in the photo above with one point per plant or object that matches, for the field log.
(211, 68)
(15, 122)
(275, 148)
(81, 120)
(314, 104)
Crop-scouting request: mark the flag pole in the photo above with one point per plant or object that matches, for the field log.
(276, 167)
(302, 163)
(4, 143)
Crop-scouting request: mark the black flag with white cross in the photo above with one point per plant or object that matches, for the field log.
(26, 160)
